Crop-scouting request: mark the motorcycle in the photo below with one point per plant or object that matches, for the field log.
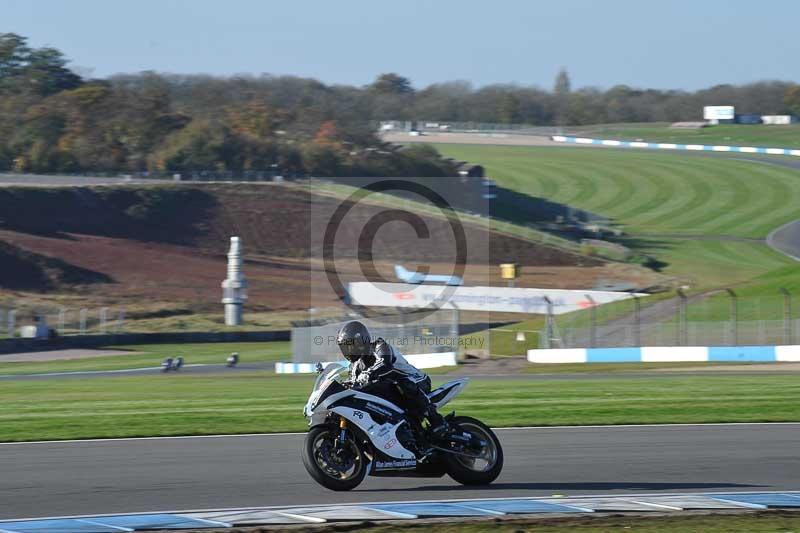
(171, 364)
(353, 434)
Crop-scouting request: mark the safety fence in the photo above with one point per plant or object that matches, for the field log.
(723, 333)
(721, 318)
(26, 322)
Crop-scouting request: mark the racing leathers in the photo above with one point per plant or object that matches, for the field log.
(384, 372)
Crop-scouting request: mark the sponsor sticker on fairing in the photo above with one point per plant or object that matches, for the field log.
(371, 406)
(400, 463)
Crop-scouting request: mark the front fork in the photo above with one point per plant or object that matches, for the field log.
(340, 442)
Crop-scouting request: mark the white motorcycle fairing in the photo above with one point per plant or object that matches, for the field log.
(442, 396)
(382, 436)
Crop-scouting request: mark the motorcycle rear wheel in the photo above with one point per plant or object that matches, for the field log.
(471, 471)
(344, 471)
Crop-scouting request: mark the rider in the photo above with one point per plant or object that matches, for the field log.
(376, 367)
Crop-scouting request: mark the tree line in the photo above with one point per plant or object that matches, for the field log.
(53, 120)
(564, 106)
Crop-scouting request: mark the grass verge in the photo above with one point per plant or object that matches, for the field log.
(151, 355)
(256, 402)
(755, 522)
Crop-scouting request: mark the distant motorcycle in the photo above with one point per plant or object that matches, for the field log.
(233, 360)
(353, 434)
(171, 364)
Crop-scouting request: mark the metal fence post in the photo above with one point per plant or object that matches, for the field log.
(456, 321)
(637, 320)
(120, 321)
(787, 316)
(12, 318)
(734, 316)
(681, 333)
(103, 319)
(548, 323)
(62, 319)
(84, 315)
(593, 323)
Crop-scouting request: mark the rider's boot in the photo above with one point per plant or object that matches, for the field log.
(438, 423)
(411, 443)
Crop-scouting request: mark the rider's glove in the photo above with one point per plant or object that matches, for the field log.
(361, 380)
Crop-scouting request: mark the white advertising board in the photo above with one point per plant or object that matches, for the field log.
(499, 299)
(777, 119)
(719, 112)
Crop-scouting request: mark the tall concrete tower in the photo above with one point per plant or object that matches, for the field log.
(234, 288)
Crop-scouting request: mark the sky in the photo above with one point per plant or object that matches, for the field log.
(674, 44)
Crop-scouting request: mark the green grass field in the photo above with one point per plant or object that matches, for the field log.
(185, 404)
(151, 355)
(726, 134)
(704, 218)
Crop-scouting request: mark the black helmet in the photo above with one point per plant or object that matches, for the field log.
(353, 339)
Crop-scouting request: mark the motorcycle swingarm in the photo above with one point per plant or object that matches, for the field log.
(454, 452)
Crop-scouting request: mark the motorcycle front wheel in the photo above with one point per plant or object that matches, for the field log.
(334, 465)
(485, 464)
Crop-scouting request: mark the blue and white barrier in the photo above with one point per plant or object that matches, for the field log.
(661, 354)
(419, 360)
(298, 368)
(673, 146)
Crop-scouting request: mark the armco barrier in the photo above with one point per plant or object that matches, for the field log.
(419, 360)
(655, 354)
(675, 146)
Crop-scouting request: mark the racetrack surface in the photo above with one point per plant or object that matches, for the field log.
(90, 477)
(786, 239)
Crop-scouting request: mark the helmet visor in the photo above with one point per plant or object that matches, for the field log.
(353, 349)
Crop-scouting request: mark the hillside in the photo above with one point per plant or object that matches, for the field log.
(160, 251)
(705, 219)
